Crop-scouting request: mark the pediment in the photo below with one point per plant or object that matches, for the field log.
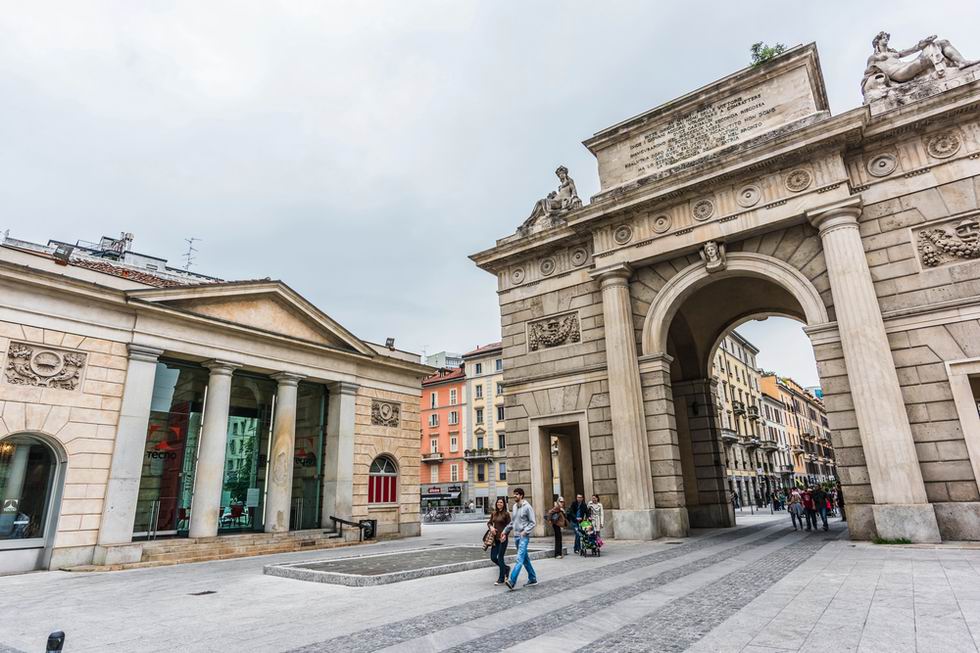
(270, 307)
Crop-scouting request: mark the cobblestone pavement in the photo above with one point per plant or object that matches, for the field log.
(758, 587)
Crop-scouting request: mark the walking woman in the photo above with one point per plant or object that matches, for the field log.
(499, 519)
(796, 509)
(596, 513)
(558, 521)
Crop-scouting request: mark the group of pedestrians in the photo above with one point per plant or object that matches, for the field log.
(808, 503)
(519, 522)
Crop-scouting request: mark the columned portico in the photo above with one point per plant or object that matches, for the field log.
(338, 476)
(122, 490)
(901, 507)
(280, 488)
(209, 473)
(635, 518)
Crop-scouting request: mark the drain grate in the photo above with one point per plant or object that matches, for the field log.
(204, 593)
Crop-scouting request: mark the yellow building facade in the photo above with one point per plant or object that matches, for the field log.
(485, 454)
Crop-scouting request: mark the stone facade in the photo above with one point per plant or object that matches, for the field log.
(780, 209)
(81, 351)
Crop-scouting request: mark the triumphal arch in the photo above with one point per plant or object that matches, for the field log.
(744, 199)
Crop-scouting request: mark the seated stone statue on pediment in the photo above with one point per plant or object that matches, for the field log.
(937, 60)
(547, 212)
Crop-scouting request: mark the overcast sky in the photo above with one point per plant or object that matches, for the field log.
(359, 151)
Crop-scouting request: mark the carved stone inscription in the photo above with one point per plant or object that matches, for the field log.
(40, 366)
(680, 137)
(553, 331)
(385, 413)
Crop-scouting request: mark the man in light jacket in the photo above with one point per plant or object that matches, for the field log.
(522, 525)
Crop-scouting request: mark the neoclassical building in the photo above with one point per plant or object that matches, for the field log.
(742, 199)
(139, 403)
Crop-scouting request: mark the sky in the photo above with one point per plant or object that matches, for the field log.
(360, 151)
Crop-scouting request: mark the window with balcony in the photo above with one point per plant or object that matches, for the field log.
(434, 445)
(479, 442)
(500, 413)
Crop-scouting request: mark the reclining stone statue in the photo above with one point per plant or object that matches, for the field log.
(556, 204)
(886, 69)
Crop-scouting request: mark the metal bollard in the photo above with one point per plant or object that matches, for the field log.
(56, 641)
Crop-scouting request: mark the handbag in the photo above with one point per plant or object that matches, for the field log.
(489, 539)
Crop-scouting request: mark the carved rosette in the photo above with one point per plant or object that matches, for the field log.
(702, 210)
(517, 275)
(623, 234)
(799, 180)
(547, 266)
(385, 413)
(882, 165)
(661, 223)
(553, 331)
(944, 145)
(579, 257)
(748, 196)
(946, 244)
(44, 367)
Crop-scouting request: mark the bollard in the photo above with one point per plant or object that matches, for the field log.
(56, 641)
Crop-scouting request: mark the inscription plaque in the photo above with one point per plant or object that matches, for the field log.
(688, 133)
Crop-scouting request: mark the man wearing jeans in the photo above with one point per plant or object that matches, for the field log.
(522, 525)
(820, 503)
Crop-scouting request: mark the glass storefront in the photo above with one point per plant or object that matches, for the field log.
(27, 470)
(176, 413)
(311, 416)
(249, 432)
(167, 482)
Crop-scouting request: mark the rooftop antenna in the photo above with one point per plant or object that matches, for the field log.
(191, 252)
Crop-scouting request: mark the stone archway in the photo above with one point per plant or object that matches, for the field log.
(682, 329)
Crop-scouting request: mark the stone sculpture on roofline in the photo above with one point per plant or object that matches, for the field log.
(937, 67)
(548, 212)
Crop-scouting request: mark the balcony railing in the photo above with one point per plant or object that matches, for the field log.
(484, 453)
(768, 445)
(729, 436)
(750, 443)
(432, 457)
(753, 412)
(796, 448)
(738, 408)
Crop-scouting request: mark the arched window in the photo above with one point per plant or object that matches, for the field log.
(27, 472)
(383, 481)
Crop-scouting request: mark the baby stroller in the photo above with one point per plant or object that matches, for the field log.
(589, 538)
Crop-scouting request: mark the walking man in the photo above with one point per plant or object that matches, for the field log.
(820, 504)
(576, 513)
(522, 525)
(811, 509)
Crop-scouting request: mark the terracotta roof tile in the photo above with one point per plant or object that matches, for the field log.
(445, 374)
(485, 348)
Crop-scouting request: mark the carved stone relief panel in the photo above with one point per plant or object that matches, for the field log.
(44, 367)
(551, 264)
(553, 331)
(950, 241)
(385, 413)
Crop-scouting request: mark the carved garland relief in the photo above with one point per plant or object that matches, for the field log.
(385, 413)
(44, 367)
(956, 240)
(553, 331)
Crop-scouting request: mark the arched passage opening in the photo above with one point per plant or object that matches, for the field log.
(689, 320)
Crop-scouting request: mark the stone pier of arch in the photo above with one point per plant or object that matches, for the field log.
(611, 311)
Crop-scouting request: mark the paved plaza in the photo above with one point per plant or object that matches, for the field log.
(758, 587)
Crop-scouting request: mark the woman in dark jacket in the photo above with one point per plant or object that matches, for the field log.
(498, 521)
(558, 521)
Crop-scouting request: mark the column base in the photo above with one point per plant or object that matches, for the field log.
(712, 515)
(117, 554)
(673, 522)
(958, 521)
(914, 521)
(634, 524)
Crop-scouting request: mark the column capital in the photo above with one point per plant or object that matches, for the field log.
(843, 213)
(612, 275)
(344, 388)
(220, 367)
(287, 378)
(143, 353)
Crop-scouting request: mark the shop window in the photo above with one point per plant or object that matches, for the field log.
(27, 471)
(383, 481)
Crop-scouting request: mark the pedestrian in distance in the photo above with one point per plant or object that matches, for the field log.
(558, 521)
(810, 508)
(578, 512)
(820, 506)
(840, 502)
(796, 509)
(521, 525)
(597, 515)
(499, 519)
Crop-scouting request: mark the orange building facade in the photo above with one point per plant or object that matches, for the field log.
(443, 437)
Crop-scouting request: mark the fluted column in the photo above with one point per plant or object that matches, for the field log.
(122, 490)
(209, 474)
(279, 496)
(901, 508)
(635, 518)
